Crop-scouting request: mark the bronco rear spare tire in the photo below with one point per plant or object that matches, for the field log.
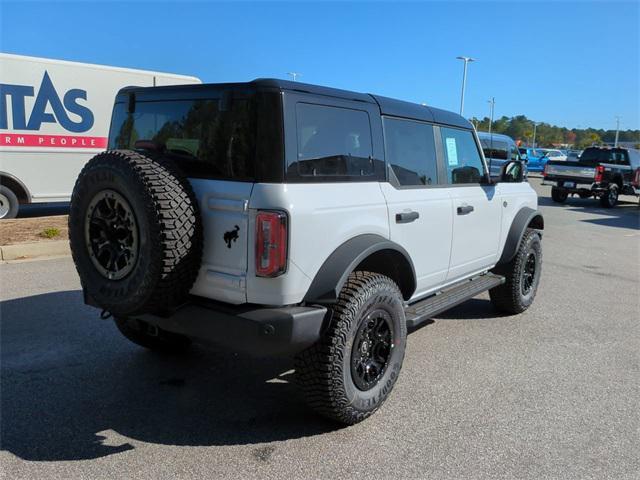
(135, 233)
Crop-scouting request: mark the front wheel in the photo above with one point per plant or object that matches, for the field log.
(350, 372)
(522, 276)
(609, 199)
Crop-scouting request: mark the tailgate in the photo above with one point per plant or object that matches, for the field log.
(576, 171)
(225, 222)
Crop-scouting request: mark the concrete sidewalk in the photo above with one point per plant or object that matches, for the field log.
(38, 249)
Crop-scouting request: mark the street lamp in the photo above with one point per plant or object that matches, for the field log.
(294, 75)
(535, 125)
(615, 144)
(466, 60)
(492, 102)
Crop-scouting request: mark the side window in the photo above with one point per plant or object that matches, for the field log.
(410, 151)
(462, 159)
(332, 141)
(515, 154)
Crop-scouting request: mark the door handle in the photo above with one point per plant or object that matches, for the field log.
(406, 217)
(465, 209)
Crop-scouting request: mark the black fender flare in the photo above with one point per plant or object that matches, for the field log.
(333, 273)
(525, 217)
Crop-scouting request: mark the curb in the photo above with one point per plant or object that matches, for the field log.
(30, 250)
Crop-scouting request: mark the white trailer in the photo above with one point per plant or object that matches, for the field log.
(55, 116)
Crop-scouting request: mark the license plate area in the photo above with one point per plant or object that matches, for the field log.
(569, 184)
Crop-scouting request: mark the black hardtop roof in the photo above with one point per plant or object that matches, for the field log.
(388, 106)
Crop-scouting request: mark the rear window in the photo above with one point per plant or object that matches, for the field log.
(602, 155)
(207, 138)
(495, 149)
(334, 143)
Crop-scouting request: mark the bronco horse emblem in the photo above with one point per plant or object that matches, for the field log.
(231, 235)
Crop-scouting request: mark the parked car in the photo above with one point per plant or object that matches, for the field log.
(279, 218)
(555, 155)
(56, 119)
(601, 172)
(536, 159)
(499, 149)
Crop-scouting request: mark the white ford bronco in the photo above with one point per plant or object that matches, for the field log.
(280, 218)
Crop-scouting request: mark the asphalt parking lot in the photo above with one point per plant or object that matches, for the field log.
(552, 393)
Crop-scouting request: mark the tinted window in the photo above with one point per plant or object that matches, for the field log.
(410, 151)
(601, 155)
(332, 141)
(495, 149)
(462, 158)
(202, 138)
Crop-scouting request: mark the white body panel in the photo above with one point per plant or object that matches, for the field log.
(428, 238)
(445, 247)
(475, 237)
(55, 116)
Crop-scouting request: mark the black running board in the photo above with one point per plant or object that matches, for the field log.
(421, 311)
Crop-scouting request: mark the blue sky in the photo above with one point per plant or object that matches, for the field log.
(570, 64)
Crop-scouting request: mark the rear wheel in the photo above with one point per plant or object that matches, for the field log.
(609, 199)
(558, 194)
(522, 276)
(9, 204)
(152, 337)
(350, 372)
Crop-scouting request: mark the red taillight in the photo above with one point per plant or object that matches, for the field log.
(271, 243)
(636, 180)
(599, 173)
(544, 171)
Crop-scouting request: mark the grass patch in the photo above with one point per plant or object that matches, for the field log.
(50, 233)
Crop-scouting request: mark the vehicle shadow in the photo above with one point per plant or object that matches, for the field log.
(624, 215)
(73, 388)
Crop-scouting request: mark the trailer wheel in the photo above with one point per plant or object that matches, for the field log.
(558, 195)
(609, 199)
(9, 204)
(135, 233)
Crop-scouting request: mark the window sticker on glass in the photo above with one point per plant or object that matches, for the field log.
(452, 152)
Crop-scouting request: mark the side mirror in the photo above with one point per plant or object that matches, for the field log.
(512, 172)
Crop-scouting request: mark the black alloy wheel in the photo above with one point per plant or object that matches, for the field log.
(528, 273)
(111, 234)
(371, 349)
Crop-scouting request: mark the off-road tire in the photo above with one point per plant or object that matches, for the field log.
(10, 209)
(153, 338)
(324, 371)
(609, 199)
(512, 296)
(558, 195)
(168, 226)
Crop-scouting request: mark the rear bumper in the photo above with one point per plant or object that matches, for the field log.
(256, 330)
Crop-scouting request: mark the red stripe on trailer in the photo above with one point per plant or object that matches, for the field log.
(57, 141)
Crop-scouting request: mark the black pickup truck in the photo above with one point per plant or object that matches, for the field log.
(600, 172)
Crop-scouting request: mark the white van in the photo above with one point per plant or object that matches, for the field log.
(55, 116)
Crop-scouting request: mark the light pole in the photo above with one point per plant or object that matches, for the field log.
(294, 75)
(464, 80)
(492, 102)
(535, 125)
(615, 144)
